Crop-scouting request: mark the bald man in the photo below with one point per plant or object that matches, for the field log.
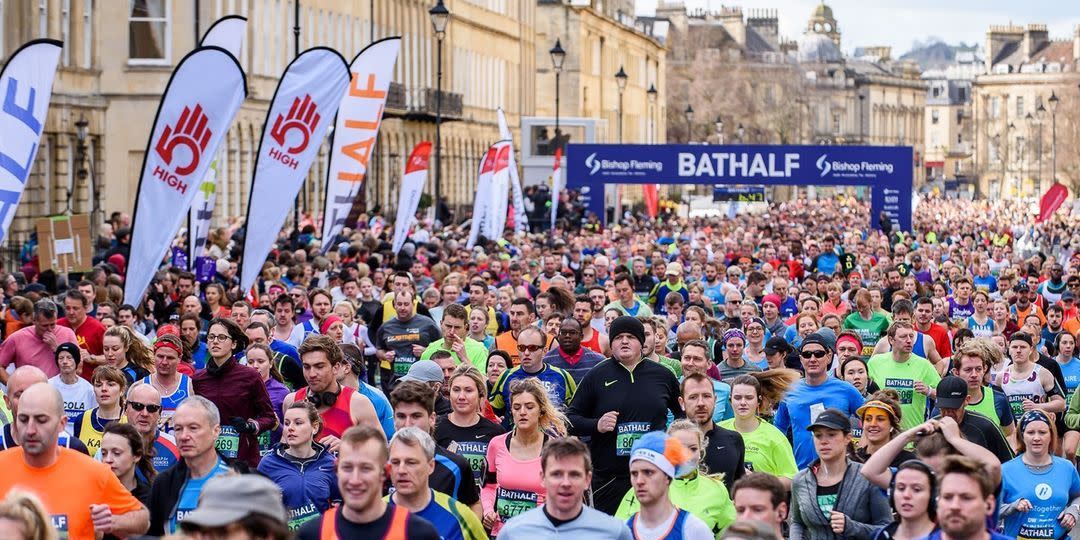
(21, 379)
(101, 504)
(141, 398)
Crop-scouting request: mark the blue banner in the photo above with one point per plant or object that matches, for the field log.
(887, 170)
(738, 194)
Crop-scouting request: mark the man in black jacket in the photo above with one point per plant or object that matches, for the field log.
(618, 401)
(196, 425)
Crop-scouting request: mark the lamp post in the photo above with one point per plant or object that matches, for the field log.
(689, 113)
(1030, 119)
(652, 94)
(1053, 101)
(862, 119)
(440, 17)
(558, 55)
(620, 80)
(82, 132)
(1040, 115)
(740, 131)
(719, 130)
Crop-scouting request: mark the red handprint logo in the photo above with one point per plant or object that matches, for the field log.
(303, 117)
(190, 131)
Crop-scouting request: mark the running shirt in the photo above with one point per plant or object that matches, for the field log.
(559, 384)
(981, 330)
(868, 330)
(1017, 390)
(957, 311)
(189, 494)
(336, 418)
(90, 429)
(902, 376)
(78, 398)
(511, 486)
(1048, 491)
(469, 442)
(679, 526)
(1071, 371)
(803, 403)
(133, 373)
(166, 453)
(767, 450)
(995, 406)
(395, 335)
(453, 520)
(170, 402)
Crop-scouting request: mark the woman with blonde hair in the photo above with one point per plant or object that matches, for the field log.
(465, 430)
(703, 495)
(127, 353)
(512, 480)
(23, 517)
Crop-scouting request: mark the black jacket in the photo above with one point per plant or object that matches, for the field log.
(165, 493)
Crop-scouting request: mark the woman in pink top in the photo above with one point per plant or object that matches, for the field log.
(512, 481)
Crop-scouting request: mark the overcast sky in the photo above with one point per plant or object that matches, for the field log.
(899, 23)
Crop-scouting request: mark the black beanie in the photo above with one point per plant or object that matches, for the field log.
(816, 339)
(71, 348)
(627, 325)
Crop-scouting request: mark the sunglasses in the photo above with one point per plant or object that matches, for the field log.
(149, 407)
(529, 348)
(813, 354)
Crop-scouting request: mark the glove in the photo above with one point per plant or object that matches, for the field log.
(243, 425)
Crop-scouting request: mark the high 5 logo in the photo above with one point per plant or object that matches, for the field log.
(303, 116)
(190, 131)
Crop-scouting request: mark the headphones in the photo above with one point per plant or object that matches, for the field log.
(323, 399)
(931, 506)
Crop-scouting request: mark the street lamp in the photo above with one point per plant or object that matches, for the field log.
(689, 113)
(740, 131)
(558, 55)
(652, 94)
(82, 132)
(720, 130)
(1031, 123)
(862, 118)
(620, 80)
(1053, 101)
(440, 17)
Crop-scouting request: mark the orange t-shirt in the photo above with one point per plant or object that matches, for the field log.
(67, 488)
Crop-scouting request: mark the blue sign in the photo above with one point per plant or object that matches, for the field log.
(887, 170)
(738, 194)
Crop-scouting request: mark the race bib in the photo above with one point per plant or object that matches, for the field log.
(475, 452)
(904, 387)
(302, 515)
(265, 446)
(402, 364)
(511, 502)
(1035, 533)
(1016, 402)
(627, 434)
(228, 443)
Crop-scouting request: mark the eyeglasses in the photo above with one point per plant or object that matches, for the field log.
(590, 274)
(149, 407)
(529, 348)
(217, 337)
(813, 354)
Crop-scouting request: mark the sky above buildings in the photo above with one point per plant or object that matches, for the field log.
(899, 23)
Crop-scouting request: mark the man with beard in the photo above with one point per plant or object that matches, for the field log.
(965, 501)
(618, 401)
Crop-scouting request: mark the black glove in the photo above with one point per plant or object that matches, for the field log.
(243, 425)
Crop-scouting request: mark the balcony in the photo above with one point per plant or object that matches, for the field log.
(420, 103)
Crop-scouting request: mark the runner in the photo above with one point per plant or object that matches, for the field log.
(911, 376)
(174, 387)
(142, 408)
(569, 354)
(361, 472)
(530, 346)
(1027, 385)
(301, 468)
(127, 353)
(763, 498)
(456, 341)
(122, 449)
(36, 345)
(88, 330)
(401, 340)
(912, 496)
(245, 504)
(767, 449)
(1040, 491)
(725, 453)
(465, 430)
(258, 357)
(77, 392)
(109, 386)
(656, 460)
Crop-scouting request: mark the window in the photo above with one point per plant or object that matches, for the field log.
(935, 115)
(88, 35)
(43, 18)
(1020, 106)
(937, 91)
(961, 94)
(836, 123)
(995, 107)
(148, 32)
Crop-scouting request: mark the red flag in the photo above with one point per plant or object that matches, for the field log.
(1051, 201)
(652, 199)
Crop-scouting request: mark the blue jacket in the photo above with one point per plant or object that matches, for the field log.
(382, 407)
(307, 486)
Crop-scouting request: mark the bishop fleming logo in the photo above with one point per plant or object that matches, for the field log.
(302, 117)
(592, 163)
(823, 165)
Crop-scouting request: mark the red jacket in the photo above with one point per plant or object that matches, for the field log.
(238, 391)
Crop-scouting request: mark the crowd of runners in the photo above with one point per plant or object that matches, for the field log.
(783, 373)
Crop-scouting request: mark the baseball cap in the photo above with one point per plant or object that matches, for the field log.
(777, 344)
(424, 371)
(951, 393)
(674, 268)
(1068, 295)
(228, 499)
(831, 419)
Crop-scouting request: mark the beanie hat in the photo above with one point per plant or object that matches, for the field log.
(828, 335)
(818, 339)
(327, 322)
(662, 450)
(773, 299)
(627, 325)
(732, 334)
(70, 348)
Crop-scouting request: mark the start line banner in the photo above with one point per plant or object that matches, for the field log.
(888, 170)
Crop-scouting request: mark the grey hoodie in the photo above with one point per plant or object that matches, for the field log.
(863, 504)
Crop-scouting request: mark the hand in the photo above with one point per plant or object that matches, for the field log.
(924, 428)
(921, 388)
(417, 350)
(243, 425)
(85, 357)
(837, 522)
(50, 339)
(331, 443)
(389, 355)
(607, 422)
(1067, 519)
(489, 520)
(1029, 405)
(458, 348)
(1023, 505)
(102, 517)
(949, 428)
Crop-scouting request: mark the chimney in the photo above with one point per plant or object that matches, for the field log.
(1076, 47)
(731, 18)
(1035, 36)
(882, 52)
(766, 23)
(997, 38)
